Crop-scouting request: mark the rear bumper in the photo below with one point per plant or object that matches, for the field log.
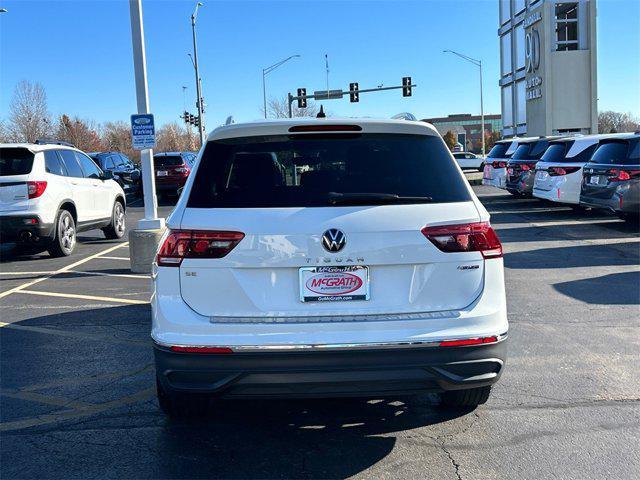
(521, 184)
(15, 228)
(332, 372)
(171, 184)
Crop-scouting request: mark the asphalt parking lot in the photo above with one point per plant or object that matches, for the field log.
(77, 380)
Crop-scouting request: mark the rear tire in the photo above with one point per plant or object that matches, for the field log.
(64, 241)
(182, 405)
(471, 397)
(117, 227)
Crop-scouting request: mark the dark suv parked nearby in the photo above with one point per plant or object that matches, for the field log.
(521, 169)
(172, 170)
(125, 172)
(611, 179)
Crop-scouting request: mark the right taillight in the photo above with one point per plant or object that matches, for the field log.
(617, 175)
(468, 237)
(180, 244)
(559, 171)
(498, 164)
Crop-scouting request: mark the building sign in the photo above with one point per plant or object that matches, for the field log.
(532, 54)
(533, 18)
(143, 131)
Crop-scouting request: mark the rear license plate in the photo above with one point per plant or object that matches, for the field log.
(162, 173)
(334, 284)
(594, 180)
(541, 175)
(487, 172)
(510, 171)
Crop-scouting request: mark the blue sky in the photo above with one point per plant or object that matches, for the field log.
(81, 52)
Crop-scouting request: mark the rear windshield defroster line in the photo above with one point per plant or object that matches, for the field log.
(286, 171)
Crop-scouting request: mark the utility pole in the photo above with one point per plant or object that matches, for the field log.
(477, 63)
(151, 220)
(265, 72)
(195, 65)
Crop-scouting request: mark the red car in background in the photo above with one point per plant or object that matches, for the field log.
(172, 170)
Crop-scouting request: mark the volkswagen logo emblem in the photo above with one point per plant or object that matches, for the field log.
(333, 240)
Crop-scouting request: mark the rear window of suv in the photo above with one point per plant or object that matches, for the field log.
(499, 150)
(320, 170)
(618, 153)
(15, 161)
(168, 161)
(557, 153)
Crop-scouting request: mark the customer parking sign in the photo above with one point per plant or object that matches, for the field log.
(143, 131)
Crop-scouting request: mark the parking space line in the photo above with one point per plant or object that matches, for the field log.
(46, 272)
(115, 258)
(85, 297)
(103, 274)
(142, 395)
(46, 399)
(63, 269)
(71, 334)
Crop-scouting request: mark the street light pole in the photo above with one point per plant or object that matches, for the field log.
(195, 64)
(477, 63)
(151, 220)
(265, 72)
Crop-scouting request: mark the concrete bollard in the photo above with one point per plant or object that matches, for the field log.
(142, 249)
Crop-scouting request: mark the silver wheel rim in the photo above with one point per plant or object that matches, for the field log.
(67, 233)
(119, 220)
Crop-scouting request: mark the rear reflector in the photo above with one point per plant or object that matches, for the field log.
(35, 189)
(325, 128)
(218, 350)
(180, 244)
(468, 237)
(468, 341)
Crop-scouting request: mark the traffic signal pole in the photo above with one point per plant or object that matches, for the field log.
(335, 94)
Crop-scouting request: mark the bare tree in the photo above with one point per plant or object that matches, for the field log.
(29, 117)
(116, 136)
(4, 133)
(81, 133)
(613, 122)
(279, 108)
(173, 137)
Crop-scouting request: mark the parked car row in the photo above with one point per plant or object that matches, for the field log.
(50, 191)
(595, 171)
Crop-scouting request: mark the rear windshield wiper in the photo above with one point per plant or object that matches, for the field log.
(372, 199)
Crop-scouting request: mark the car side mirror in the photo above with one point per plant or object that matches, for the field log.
(107, 175)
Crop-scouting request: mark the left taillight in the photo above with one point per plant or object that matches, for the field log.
(468, 237)
(35, 189)
(181, 244)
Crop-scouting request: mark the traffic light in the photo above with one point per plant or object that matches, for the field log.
(302, 102)
(196, 121)
(406, 86)
(354, 96)
(185, 117)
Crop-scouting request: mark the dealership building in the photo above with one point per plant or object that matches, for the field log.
(466, 127)
(548, 67)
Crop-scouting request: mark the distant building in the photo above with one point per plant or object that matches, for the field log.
(467, 127)
(548, 67)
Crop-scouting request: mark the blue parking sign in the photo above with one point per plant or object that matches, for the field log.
(143, 131)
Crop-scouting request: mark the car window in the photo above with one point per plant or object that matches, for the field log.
(53, 164)
(499, 150)
(15, 161)
(522, 152)
(584, 155)
(168, 161)
(108, 162)
(90, 169)
(458, 155)
(313, 170)
(71, 163)
(125, 160)
(117, 161)
(618, 152)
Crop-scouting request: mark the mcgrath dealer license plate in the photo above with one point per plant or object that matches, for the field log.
(334, 284)
(162, 173)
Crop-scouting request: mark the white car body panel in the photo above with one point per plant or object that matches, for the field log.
(251, 296)
(559, 188)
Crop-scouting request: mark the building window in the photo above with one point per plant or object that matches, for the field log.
(507, 107)
(505, 11)
(505, 47)
(521, 103)
(566, 16)
(520, 47)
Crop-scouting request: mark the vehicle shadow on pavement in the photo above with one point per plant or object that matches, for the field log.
(101, 360)
(331, 438)
(614, 289)
(574, 256)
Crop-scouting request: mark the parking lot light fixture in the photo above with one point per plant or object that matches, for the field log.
(265, 72)
(477, 63)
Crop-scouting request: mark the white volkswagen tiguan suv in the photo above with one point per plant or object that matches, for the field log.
(327, 258)
(49, 192)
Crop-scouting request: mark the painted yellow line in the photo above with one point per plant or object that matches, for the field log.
(141, 396)
(69, 334)
(115, 258)
(63, 269)
(85, 297)
(46, 399)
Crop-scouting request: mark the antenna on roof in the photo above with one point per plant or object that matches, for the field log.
(321, 113)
